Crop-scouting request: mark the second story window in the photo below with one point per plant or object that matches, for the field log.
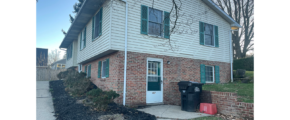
(97, 24)
(208, 35)
(83, 39)
(69, 51)
(155, 22)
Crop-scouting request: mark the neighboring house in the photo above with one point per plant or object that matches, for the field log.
(57, 65)
(96, 43)
(41, 56)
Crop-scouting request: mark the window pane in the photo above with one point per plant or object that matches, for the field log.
(208, 74)
(104, 69)
(208, 34)
(208, 40)
(155, 29)
(155, 15)
(97, 21)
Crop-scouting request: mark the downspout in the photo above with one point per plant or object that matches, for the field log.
(231, 55)
(125, 61)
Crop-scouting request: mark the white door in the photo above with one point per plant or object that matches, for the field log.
(154, 80)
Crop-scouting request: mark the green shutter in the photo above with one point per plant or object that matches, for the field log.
(85, 36)
(101, 17)
(81, 41)
(85, 69)
(144, 19)
(93, 28)
(216, 36)
(107, 68)
(99, 69)
(201, 33)
(71, 50)
(166, 25)
(89, 71)
(202, 73)
(217, 74)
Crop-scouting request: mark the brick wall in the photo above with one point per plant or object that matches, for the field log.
(179, 69)
(227, 104)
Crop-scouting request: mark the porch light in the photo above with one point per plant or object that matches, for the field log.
(234, 28)
(168, 62)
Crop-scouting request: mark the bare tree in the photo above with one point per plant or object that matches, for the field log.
(241, 11)
(53, 56)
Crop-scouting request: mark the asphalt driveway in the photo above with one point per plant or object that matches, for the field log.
(44, 104)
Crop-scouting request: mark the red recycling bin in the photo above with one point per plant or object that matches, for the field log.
(208, 108)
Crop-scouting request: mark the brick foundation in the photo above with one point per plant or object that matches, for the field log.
(179, 69)
(227, 104)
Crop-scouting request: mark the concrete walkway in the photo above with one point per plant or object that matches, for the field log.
(44, 105)
(171, 112)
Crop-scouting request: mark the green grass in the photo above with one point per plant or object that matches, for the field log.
(248, 73)
(245, 91)
(208, 118)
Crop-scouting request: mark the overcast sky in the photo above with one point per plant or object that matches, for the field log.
(51, 17)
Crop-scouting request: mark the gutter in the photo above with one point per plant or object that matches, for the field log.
(125, 60)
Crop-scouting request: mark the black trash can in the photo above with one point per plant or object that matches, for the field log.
(190, 95)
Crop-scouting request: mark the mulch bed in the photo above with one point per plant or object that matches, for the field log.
(66, 108)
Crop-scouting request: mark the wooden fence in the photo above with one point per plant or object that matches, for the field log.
(46, 74)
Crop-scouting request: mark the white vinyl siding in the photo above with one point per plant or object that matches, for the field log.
(102, 43)
(188, 45)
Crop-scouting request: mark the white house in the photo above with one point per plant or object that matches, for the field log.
(110, 35)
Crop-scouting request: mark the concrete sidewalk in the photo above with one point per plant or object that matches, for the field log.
(171, 112)
(44, 105)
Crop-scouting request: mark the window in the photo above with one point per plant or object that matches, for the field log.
(208, 34)
(209, 74)
(69, 51)
(83, 39)
(104, 69)
(155, 22)
(97, 25)
(158, 22)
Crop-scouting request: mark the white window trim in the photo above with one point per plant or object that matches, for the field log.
(213, 36)
(213, 77)
(80, 67)
(103, 69)
(162, 24)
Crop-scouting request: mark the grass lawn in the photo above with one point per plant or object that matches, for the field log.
(244, 90)
(208, 118)
(248, 73)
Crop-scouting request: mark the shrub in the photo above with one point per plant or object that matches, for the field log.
(100, 99)
(244, 63)
(76, 83)
(62, 75)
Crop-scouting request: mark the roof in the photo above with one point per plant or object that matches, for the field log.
(89, 8)
(85, 14)
(62, 61)
(222, 13)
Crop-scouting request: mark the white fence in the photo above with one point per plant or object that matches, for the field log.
(46, 74)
